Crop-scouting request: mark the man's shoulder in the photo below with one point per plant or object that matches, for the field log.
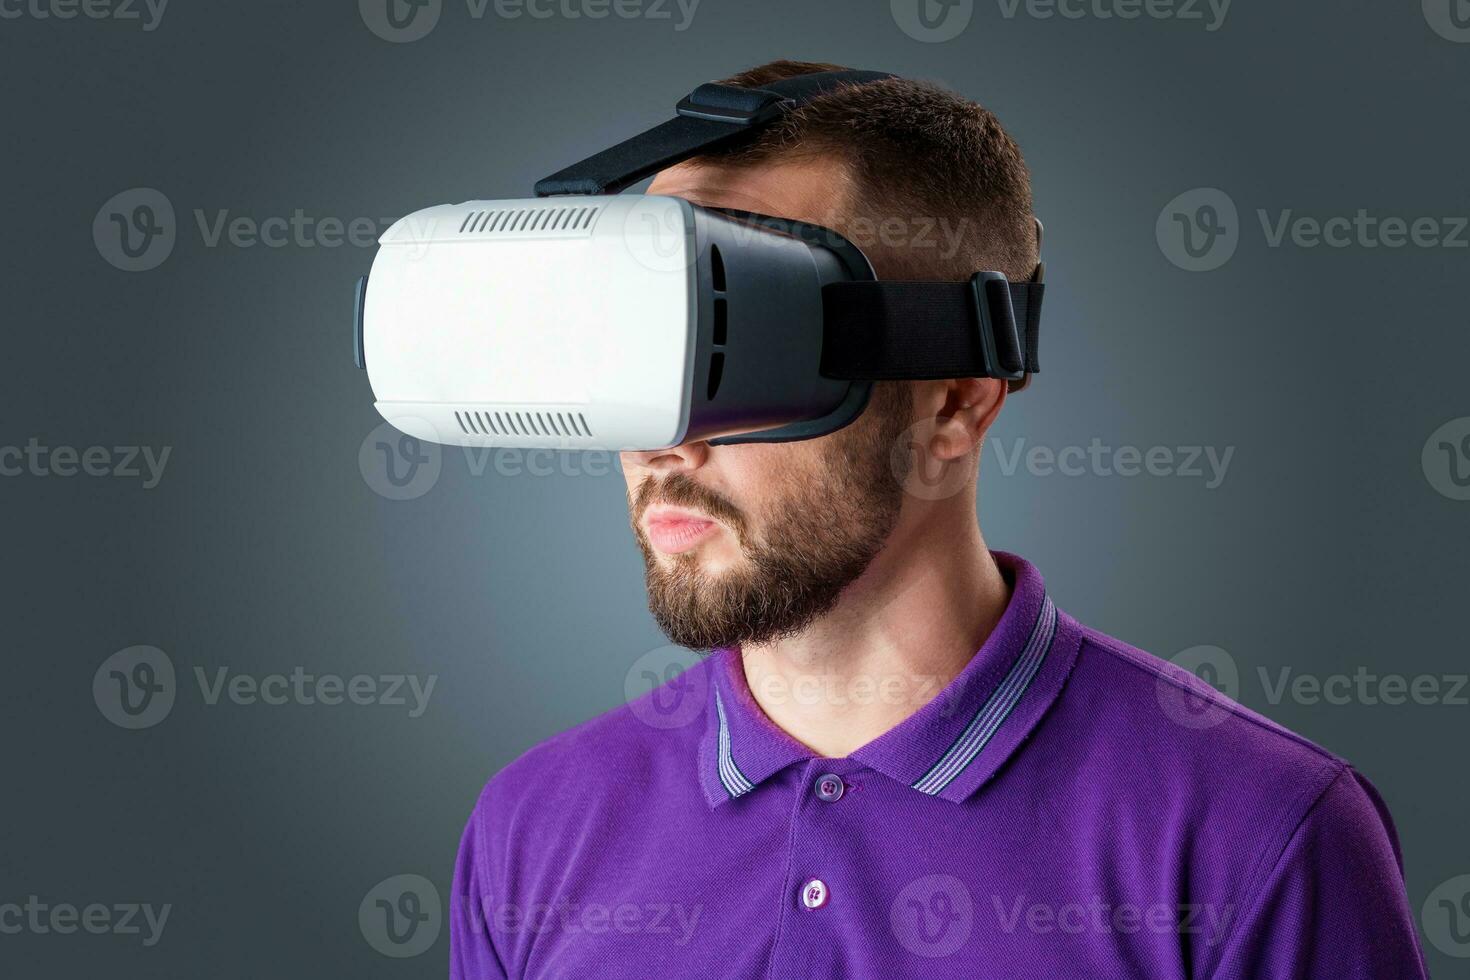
(1187, 745)
(629, 749)
(1259, 815)
(1187, 704)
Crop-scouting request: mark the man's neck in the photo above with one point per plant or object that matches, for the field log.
(899, 634)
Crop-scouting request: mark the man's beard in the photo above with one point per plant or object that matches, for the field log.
(816, 542)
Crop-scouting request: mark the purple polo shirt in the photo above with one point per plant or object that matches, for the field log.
(1067, 807)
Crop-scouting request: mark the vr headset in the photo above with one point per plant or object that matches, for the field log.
(584, 318)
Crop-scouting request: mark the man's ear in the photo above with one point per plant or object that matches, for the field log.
(963, 411)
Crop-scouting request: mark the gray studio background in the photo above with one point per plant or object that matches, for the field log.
(1335, 542)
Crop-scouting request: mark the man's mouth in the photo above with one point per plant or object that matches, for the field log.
(672, 529)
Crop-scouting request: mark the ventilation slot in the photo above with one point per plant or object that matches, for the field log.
(716, 370)
(569, 424)
(505, 220)
(720, 321)
(721, 317)
(716, 269)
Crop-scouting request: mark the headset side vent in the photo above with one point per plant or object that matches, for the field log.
(561, 221)
(530, 424)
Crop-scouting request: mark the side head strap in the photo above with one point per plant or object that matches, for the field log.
(712, 117)
(876, 330)
(887, 330)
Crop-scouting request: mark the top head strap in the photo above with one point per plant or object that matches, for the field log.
(712, 117)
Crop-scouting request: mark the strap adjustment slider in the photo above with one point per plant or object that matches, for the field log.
(731, 104)
(1000, 340)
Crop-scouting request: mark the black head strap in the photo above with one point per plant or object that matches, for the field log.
(987, 327)
(712, 117)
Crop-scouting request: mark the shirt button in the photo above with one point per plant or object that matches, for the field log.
(814, 893)
(829, 788)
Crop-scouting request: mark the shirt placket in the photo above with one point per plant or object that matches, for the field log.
(817, 898)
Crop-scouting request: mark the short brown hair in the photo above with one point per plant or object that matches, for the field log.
(917, 153)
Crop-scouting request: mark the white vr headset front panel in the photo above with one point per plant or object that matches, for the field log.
(574, 315)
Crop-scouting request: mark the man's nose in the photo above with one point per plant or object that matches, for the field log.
(682, 458)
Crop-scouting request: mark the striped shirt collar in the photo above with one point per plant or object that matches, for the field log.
(949, 747)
